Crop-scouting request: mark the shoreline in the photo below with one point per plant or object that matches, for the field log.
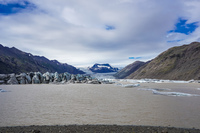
(96, 128)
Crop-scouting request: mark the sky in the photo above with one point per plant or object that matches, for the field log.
(82, 33)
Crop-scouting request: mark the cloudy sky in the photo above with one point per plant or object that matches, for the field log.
(84, 32)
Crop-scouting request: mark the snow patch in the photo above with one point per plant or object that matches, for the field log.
(103, 66)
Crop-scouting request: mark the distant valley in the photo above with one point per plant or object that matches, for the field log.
(101, 71)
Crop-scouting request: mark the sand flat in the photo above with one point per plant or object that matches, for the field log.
(24, 105)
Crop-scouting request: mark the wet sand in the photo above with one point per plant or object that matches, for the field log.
(83, 104)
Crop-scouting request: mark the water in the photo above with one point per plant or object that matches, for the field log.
(99, 104)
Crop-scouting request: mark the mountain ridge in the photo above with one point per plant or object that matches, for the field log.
(176, 63)
(126, 71)
(13, 60)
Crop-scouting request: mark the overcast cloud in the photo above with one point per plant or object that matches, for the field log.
(82, 33)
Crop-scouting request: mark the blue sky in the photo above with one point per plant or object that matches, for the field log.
(82, 33)
(109, 27)
(183, 27)
(15, 7)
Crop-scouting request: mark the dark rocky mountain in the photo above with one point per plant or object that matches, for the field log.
(177, 63)
(13, 60)
(126, 71)
(103, 68)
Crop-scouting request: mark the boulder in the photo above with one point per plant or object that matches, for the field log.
(35, 79)
(57, 77)
(73, 77)
(47, 78)
(28, 79)
(52, 77)
(71, 81)
(21, 78)
(12, 79)
(84, 81)
(80, 77)
(62, 77)
(2, 82)
(63, 82)
(31, 74)
(39, 74)
(95, 81)
(4, 77)
(88, 77)
(67, 76)
(78, 82)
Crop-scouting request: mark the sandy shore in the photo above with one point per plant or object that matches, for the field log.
(95, 129)
(95, 108)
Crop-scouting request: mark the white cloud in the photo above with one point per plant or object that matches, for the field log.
(74, 31)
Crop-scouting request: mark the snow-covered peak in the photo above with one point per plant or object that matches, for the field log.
(103, 68)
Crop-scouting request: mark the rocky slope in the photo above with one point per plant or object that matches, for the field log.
(126, 71)
(13, 60)
(177, 63)
(103, 68)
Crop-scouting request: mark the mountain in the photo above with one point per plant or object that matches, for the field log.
(13, 60)
(177, 63)
(103, 68)
(126, 71)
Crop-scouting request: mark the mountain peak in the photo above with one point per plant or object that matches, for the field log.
(103, 68)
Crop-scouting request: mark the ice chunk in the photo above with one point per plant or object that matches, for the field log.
(166, 93)
(173, 93)
(1, 90)
(150, 89)
(131, 85)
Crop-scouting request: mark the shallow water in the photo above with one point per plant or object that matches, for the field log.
(99, 104)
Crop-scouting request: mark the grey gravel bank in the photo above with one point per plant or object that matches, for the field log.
(96, 129)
